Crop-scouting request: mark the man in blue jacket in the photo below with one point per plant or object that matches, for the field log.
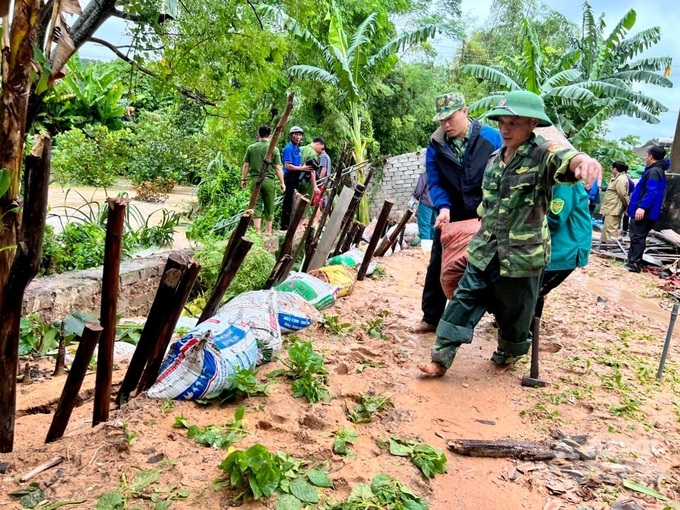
(645, 205)
(455, 161)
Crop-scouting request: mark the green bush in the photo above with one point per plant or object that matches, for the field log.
(91, 156)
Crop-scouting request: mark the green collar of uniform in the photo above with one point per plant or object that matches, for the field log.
(525, 148)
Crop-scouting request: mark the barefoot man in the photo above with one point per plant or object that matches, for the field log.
(512, 247)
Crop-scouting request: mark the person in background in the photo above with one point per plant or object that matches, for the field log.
(426, 214)
(593, 198)
(626, 219)
(292, 166)
(570, 237)
(454, 162)
(645, 205)
(615, 201)
(252, 164)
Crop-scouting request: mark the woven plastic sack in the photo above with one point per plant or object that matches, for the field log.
(341, 276)
(295, 313)
(316, 292)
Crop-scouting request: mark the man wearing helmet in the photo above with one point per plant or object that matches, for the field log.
(292, 166)
(508, 254)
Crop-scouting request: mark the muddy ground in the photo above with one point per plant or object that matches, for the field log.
(603, 332)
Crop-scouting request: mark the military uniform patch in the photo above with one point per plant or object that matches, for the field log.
(555, 147)
(556, 206)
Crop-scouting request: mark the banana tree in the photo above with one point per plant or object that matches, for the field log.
(349, 65)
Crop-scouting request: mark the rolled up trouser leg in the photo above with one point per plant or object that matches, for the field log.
(515, 300)
(461, 315)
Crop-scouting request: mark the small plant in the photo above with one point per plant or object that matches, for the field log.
(429, 460)
(368, 364)
(384, 492)
(37, 337)
(375, 328)
(167, 406)
(138, 488)
(378, 273)
(129, 435)
(214, 436)
(369, 404)
(344, 437)
(244, 384)
(306, 367)
(332, 324)
(261, 474)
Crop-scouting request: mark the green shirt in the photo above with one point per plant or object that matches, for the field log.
(255, 154)
(308, 153)
(515, 200)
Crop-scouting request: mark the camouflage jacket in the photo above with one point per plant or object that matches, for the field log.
(515, 201)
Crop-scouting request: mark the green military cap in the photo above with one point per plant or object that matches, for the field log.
(521, 103)
(447, 105)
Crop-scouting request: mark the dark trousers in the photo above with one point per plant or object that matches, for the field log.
(434, 299)
(512, 300)
(638, 232)
(625, 222)
(292, 180)
(551, 280)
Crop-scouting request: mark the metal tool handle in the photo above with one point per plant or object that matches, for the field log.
(533, 373)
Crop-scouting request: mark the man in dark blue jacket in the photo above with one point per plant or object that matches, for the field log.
(455, 161)
(645, 205)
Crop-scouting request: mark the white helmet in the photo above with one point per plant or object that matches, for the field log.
(295, 129)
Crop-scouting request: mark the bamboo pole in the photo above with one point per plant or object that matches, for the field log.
(241, 247)
(165, 302)
(270, 151)
(74, 381)
(110, 282)
(380, 225)
(165, 334)
(389, 241)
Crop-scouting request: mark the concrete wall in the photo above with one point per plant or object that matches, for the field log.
(400, 176)
(54, 297)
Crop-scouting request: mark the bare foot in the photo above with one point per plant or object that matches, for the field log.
(432, 370)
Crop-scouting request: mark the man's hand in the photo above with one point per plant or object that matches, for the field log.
(283, 187)
(244, 183)
(443, 218)
(639, 214)
(588, 169)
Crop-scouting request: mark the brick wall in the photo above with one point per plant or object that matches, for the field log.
(54, 297)
(400, 176)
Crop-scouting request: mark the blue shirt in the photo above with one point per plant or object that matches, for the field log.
(291, 154)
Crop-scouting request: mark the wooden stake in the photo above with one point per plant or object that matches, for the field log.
(359, 235)
(107, 320)
(276, 275)
(347, 221)
(157, 324)
(165, 334)
(23, 269)
(389, 241)
(380, 225)
(238, 233)
(241, 247)
(270, 151)
(347, 244)
(331, 232)
(74, 381)
(307, 236)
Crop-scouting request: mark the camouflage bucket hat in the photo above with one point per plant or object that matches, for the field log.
(447, 105)
(521, 103)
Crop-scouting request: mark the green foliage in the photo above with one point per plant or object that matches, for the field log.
(332, 324)
(34, 497)
(35, 336)
(244, 384)
(306, 367)
(213, 435)
(375, 327)
(344, 437)
(91, 156)
(369, 404)
(384, 492)
(429, 460)
(140, 488)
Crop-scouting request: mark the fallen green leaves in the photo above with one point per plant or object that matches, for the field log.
(431, 461)
(332, 324)
(369, 404)
(384, 492)
(213, 435)
(140, 488)
(344, 437)
(33, 497)
(306, 368)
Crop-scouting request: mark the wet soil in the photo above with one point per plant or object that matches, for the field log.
(602, 336)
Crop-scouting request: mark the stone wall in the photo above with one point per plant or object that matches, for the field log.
(54, 297)
(400, 176)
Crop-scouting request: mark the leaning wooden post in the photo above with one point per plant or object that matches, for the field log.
(270, 151)
(237, 233)
(307, 236)
(107, 319)
(24, 267)
(164, 303)
(379, 226)
(277, 274)
(351, 235)
(359, 235)
(225, 278)
(74, 381)
(390, 240)
(165, 333)
(287, 246)
(347, 221)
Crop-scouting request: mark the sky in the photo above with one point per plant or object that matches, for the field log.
(649, 14)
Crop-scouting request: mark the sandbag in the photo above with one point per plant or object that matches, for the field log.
(259, 309)
(320, 294)
(341, 276)
(455, 238)
(352, 258)
(295, 313)
(198, 364)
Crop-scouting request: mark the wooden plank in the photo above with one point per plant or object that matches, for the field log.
(332, 229)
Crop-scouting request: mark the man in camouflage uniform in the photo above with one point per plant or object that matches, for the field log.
(512, 247)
